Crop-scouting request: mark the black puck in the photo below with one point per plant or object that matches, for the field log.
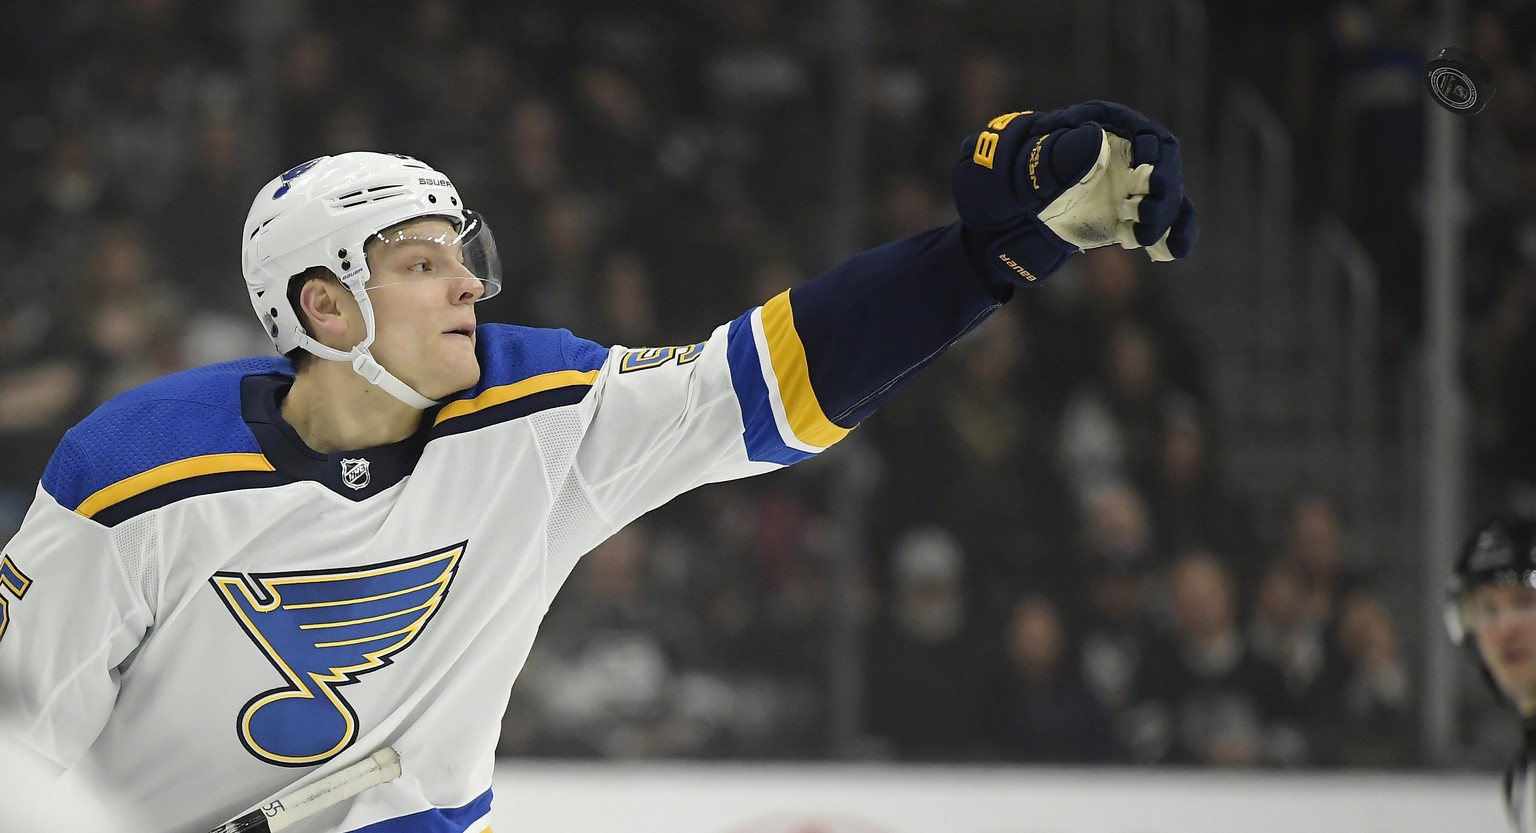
(1459, 81)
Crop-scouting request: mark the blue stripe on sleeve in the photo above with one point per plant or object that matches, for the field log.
(761, 433)
(436, 820)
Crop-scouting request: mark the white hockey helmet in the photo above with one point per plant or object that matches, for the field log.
(322, 213)
(1502, 551)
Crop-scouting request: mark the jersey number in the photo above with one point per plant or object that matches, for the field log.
(15, 581)
(657, 356)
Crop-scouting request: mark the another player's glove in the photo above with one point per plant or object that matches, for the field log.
(1036, 188)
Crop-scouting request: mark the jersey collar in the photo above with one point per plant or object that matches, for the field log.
(356, 475)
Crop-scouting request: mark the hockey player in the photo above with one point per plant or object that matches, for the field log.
(245, 577)
(1491, 611)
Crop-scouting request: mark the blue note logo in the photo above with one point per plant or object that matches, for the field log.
(322, 631)
(291, 175)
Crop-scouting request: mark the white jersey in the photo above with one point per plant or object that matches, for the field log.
(202, 612)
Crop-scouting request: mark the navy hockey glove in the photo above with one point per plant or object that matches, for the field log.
(1037, 188)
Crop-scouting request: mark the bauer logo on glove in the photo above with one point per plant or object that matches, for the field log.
(1037, 188)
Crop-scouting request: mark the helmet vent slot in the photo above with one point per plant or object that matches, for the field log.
(371, 195)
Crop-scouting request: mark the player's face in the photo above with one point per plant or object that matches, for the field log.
(1503, 619)
(424, 307)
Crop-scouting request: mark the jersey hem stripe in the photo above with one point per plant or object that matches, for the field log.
(474, 816)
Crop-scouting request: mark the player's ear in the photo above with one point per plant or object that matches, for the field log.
(321, 302)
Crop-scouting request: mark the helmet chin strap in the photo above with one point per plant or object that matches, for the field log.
(365, 364)
(369, 368)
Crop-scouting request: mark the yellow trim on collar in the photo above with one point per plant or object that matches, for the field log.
(517, 390)
(170, 473)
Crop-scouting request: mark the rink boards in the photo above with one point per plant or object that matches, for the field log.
(542, 797)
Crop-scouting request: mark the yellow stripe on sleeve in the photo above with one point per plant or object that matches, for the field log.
(170, 473)
(787, 356)
(517, 390)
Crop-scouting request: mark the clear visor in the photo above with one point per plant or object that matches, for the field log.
(435, 248)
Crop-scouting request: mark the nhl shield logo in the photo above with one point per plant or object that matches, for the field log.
(354, 473)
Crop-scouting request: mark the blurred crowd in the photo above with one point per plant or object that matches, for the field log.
(1347, 77)
(1051, 565)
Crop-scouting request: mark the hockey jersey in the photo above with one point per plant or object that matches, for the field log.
(203, 612)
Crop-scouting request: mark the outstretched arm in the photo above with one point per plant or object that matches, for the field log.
(792, 377)
(1032, 189)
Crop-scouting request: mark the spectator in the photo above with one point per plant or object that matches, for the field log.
(760, 84)
(43, 389)
(1313, 546)
(466, 117)
(616, 135)
(1049, 712)
(987, 439)
(66, 198)
(905, 205)
(128, 321)
(1115, 624)
(307, 92)
(626, 302)
(1284, 630)
(927, 654)
(1374, 711)
(1192, 506)
(1502, 352)
(1117, 530)
(211, 197)
(604, 677)
(1203, 696)
(1112, 426)
(1077, 326)
(563, 265)
(144, 121)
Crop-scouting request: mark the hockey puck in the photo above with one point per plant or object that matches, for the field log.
(1459, 81)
